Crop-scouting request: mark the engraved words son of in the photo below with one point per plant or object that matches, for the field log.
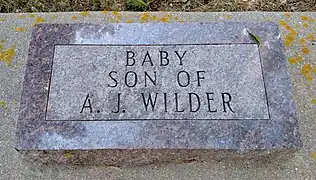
(151, 100)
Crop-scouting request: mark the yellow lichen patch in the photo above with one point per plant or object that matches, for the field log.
(304, 18)
(285, 25)
(155, 18)
(7, 55)
(2, 104)
(288, 27)
(228, 16)
(54, 17)
(178, 19)
(73, 18)
(312, 155)
(302, 41)
(67, 155)
(309, 78)
(103, 12)
(144, 18)
(113, 20)
(306, 69)
(287, 43)
(293, 32)
(287, 15)
(314, 70)
(85, 13)
(289, 40)
(129, 21)
(295, 60)
(38, 20)
(311, 37)
(305, 25)
(31, 15)
(313, 101)
(291, 36)
(299, 59)
(166, 18)
(292, 60)
(22, 16)
(2, 41)
(305, 50)
(2, 19)
(117, 15)
(20, 29)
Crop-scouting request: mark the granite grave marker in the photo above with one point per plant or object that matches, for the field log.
(190, 86)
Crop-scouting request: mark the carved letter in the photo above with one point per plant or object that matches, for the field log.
(86, 106)
(165, 57)
(180, 57)
(128, 57)
(147, 56)
(226, 102)
(149, 100)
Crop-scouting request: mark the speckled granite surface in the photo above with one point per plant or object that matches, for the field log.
(297, 31)
(242, 130)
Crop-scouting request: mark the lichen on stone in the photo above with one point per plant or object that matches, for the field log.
(7, 55)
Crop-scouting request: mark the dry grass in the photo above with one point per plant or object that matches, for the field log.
(238, 5)
(157, 5)
(60, 5)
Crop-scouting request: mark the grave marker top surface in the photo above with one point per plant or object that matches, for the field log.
(157, 82)
(86, 87)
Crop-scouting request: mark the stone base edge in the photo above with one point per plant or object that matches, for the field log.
(140, 157)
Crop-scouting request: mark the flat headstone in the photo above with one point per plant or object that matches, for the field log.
(190, 86)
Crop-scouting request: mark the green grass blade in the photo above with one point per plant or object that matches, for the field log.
(255, 38)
